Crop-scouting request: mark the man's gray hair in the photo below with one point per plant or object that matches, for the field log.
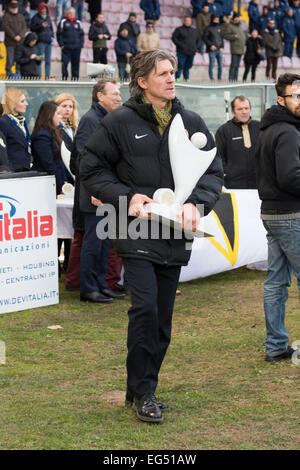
(143, 63)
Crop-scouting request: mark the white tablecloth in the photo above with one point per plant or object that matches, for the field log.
(64, 217)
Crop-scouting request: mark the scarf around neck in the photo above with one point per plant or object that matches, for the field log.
(162, 116)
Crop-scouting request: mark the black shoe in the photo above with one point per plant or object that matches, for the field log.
(285, 355)
(95, 297)
(161, 405)
(147, 409)
(113, 294)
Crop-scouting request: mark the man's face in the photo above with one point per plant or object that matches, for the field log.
(100, 18)
(132, 19)
(160, 84)
(71, 13)
(110, 99)
(271, 24)
(187, 21)
(241, 111)
(290, 99)
(124, 33)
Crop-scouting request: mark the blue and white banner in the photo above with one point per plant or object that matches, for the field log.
(28, 243)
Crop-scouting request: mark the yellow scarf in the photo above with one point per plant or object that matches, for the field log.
(162, 116)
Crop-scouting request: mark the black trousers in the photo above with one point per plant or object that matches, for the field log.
(70, 55)
(100, 55)
(153, 290)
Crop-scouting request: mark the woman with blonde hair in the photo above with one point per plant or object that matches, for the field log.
(69, 112)
(14, 128)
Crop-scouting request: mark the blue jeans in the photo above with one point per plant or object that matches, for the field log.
(185, 63)
(78, 7)
(44, 49)
(213, 55)
(61, 8)
(283, 256)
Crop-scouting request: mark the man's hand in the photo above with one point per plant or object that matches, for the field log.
(190, 217)
(17, 38)
(96, 202)
(213, 48)
(136, 206)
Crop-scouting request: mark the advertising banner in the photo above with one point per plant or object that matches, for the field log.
(28, 243)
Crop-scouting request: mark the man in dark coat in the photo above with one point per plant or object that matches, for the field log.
(236, 142)
(99, 34)
(187, 41)
(289, 33)
(28, 58)
(273, 44)
(278, 178)
(213, 38)
(124, 172)
(94, 252)
(125, 49)
(14, 27)
(254, 14)
(132, 27)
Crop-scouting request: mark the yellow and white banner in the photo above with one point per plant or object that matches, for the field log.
(239, 236)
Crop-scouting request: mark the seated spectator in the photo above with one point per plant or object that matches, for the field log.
(14, 128)
(132, 27)
(213, 38)
(151, 9)
(252, 55)
(78, 7)
(148, 40)
(28, 58)
(34, 6)
(99, 34)
(289, 33)
(94, 8)
(254, 14)
(273, 44)
(46, 144)
(41, 24)
(125, 49)
(70, 37)
(14, 27)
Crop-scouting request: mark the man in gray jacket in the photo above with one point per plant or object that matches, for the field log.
(235, 34)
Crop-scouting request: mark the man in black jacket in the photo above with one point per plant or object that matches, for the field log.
(213, 38)
(236, 141)
(278, 177)
(94, 251)
(129, 165)
(187, 41)
(132, 27)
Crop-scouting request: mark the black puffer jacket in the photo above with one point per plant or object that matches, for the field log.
(278, 160)
(124, 165)
(187, 40)
(29, 67)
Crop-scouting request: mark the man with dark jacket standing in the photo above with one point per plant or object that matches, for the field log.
(99, 34)
(187, 41)
(41, 24)
(273, 44)
(70, 37)
(131, 163)
(236, 142)
(213, 38)
(278, 178)
(14, 27)
(132, 27)
(94, 252)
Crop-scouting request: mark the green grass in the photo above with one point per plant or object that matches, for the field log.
(63, 389)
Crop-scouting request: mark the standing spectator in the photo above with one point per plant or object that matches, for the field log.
(28, 58)
(14, 27)
(213, 38)
(41, 24)
(273, 45)
(70, 37)
(252, 56)
(78, 7)
(289, 33)
(151, 9)
(279, 15)
(278, 177)
(236, 142)
(263, 19)
(132, 27)
(197, 7)
(125, 49)
(14, 127)
(271, 9)
(254, 14)
(94, 251)
(99, 34)
(61, 8)
(202, 22)
(46, 145)
(148, 40)
(213, 8)
(237, 38)
(296, 10)
(94, 8)
(187, 41)
(34, 6)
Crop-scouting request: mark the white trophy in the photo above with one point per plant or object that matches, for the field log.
(188, 164)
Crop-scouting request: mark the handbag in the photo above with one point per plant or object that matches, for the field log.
(261, 53)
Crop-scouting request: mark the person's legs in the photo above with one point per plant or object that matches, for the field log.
(219, 56)
(181, 61)
(236, 59)
(10, 58)
(274, 67)
(75, 63)
(269, 65)
(212, 56)
(247, 69)
(253, 71)
(48, 50)
(122, 72)
(114, 269)
(73, 271)
(78, 6)
(65, 59)
(103, 55)
(96, 55)
(188, 64)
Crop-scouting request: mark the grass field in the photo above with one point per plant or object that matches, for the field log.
(64, 388)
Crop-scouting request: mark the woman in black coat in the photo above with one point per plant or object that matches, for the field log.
(14, 128)
(252, 55)
(28, 57)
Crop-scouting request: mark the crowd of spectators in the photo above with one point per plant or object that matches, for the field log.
(273, 31)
